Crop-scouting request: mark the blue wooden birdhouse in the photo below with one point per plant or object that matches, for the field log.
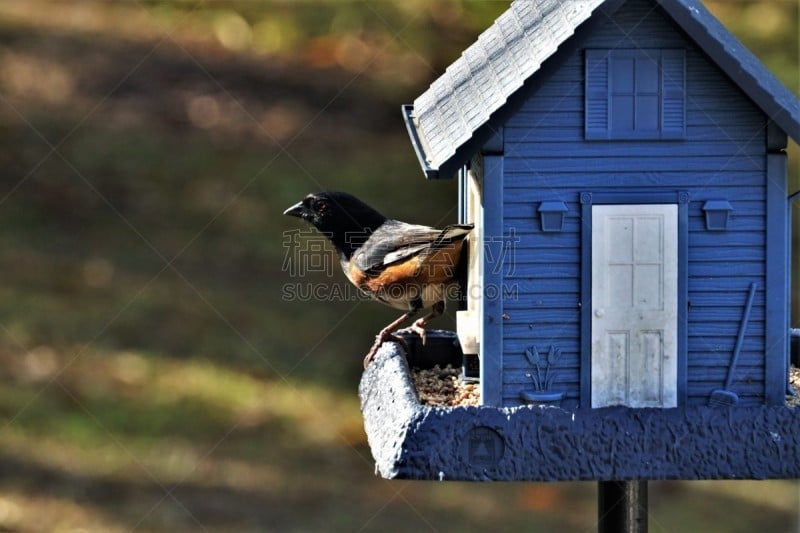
(624, 165)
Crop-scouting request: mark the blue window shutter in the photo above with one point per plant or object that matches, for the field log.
(635, 94)
(673, 91)
(597, 93)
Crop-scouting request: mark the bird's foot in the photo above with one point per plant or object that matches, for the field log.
(418, 328)
(380, 338)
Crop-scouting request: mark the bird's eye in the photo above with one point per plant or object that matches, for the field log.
(320, 206)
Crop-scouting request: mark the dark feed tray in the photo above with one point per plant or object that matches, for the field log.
(412, 441)
(441, 348)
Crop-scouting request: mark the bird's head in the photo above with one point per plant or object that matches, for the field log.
(333, 211)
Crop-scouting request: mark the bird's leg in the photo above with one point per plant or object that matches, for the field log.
(418, 326)
(386, 334)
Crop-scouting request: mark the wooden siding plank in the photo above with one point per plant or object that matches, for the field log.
(749, 199)
(525, 284)
(704, 388)
(541, 316)
(525, 148)
(726, 123)
(727, 254)
(643, 164)
(718, 283)
(704, 112)
(703, 345)
(545, 270)
(554, 133)
(731, 238)
(543, 332)
(543, 256)
(722, 358)
(709, 299)
(711, 328)
(726, 270)
(732, 314)
(543, 302)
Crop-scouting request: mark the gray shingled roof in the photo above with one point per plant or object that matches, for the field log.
(480, 82)
(492, 69)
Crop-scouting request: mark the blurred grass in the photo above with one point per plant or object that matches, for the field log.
(152, 375)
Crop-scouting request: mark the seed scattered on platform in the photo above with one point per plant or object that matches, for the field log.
(444, 387)
(794, 382)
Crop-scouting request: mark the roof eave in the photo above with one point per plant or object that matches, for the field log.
(688, 16)
(419, 149)
(448, 168)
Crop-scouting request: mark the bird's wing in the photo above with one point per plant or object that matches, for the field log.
(396, 241)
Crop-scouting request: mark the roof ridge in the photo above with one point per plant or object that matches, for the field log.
(505, 55)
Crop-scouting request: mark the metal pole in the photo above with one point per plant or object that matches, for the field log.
(622, 506)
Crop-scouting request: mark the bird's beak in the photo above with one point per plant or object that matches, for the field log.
(297, 210)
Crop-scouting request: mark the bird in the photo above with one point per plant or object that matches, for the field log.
(405, 266)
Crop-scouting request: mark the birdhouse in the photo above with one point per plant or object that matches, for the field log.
(624, 165)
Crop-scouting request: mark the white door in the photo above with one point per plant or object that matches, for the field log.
(634, 305)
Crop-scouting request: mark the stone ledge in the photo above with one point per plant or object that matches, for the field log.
(412, 441)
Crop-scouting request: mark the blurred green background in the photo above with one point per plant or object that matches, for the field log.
(153, 375)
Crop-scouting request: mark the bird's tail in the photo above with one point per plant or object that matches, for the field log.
(450, 235)
(453, 233)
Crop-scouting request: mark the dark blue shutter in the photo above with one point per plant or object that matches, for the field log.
(650, 94)
(673, 91)
(597, 91)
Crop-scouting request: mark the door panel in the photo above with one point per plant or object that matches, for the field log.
(634, 298)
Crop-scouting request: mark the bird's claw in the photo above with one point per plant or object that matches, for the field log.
(380, 338)
(417, 327)
(370, 356)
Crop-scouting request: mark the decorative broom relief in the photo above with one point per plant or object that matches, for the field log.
(726, 397)
(542, 376)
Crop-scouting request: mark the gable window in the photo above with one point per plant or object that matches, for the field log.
(635, 94)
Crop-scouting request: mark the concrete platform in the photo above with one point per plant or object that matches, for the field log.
(412, 441)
